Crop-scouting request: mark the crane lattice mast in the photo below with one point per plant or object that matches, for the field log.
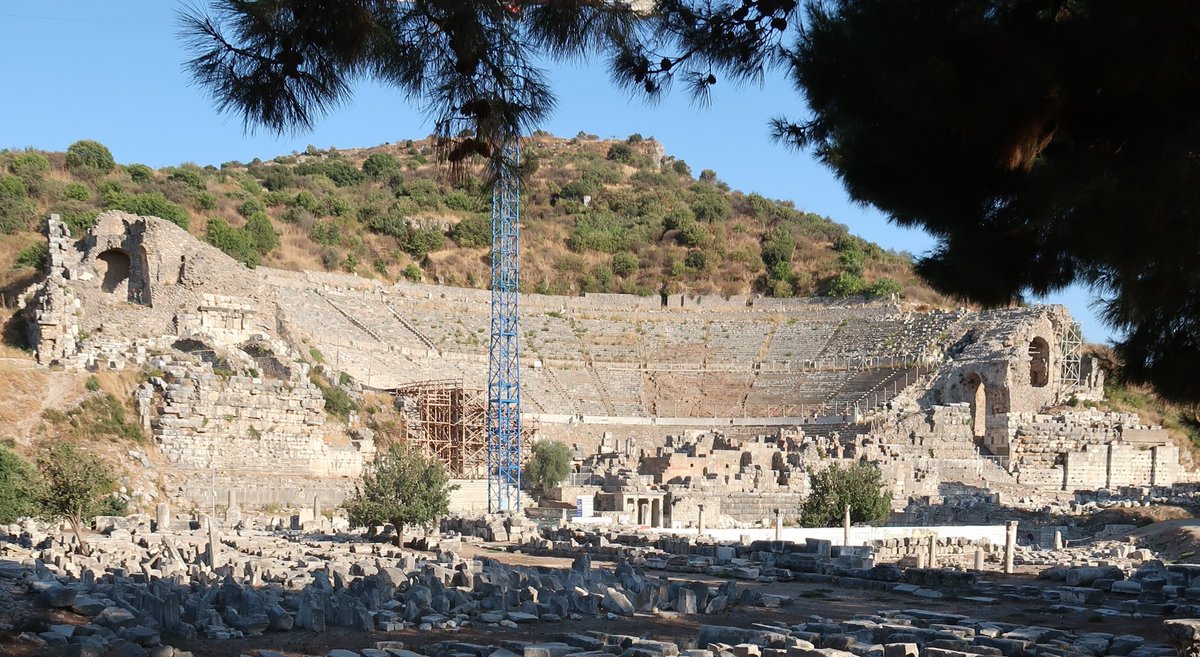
(504, 360)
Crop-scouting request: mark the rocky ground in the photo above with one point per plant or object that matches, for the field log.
(149, 591)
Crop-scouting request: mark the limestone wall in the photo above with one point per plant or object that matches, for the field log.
(202, 420)
(1090, 450)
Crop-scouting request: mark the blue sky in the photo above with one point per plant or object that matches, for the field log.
(112, 71)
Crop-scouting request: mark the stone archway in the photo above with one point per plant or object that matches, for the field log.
(114, 266)
(976, 394)
(1039, 362)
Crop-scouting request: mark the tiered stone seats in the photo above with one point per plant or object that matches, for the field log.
(733, 341)
(580, 389)
(373, 312)
(800, 341)
(624, 390)
(550, 338)
(673, 343)
(608, 341)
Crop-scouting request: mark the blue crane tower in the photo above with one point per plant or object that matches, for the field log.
(504, 358)
(504, 348)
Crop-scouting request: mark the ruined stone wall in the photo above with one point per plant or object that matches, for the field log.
(1090, 450)
(202, 420)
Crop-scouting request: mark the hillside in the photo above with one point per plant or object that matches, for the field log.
(597, 215)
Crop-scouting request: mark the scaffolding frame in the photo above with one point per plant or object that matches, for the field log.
(1070, 340)
(447, 421)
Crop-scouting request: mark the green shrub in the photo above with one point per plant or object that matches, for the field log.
(139, 173)
(77, 215)
(380, 165)
(412, 272)
(624, 263)
(423, 241)
(473, 232)
(261, 233)
(330, 258)
(76, 192)
(32, 256)
(12, 187)
(883, 287)
(326, 232)
(188, 176)
(29, 166)
(92, 384)
(89, 158)
(620, 153)
(205, 200)
(237, 244)
(17, 215)
(424, 193)
(693, 233)
(549, 464)
(463, 202)
(19, 490)
(600, 231)
(846, 285)
(150, 204)
(337, 401)
(250, 207)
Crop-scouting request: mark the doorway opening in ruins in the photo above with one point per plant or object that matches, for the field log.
(976, 395)
(1039, 362)
(115, 266)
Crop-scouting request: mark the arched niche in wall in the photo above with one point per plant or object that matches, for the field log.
(1039, 362)
(114, 270)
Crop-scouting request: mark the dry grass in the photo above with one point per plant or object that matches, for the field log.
(24, 393)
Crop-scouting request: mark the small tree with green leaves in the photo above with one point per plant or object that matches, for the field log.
(403, 487)
(18, 487)
(75, 485)
(549, 464)
(89, 158)
(860, 485)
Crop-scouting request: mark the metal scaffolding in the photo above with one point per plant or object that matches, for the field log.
(446, 422)
(1070, 340)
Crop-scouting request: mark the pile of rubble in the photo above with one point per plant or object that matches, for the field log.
(139, 585)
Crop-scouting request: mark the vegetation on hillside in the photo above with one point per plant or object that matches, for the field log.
(597, 216)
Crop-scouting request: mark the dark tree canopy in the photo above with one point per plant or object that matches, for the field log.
(1042, 142)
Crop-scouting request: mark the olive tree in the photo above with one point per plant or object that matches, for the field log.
(860, 485)
(549, 464)
(402, 487)
(75, 485)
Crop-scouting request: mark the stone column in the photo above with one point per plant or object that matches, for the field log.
(162, 516)
(1058, 539)
(978, 559)
(778, 525)
(317, 508)
(700, 520)
(932, 552)
(1010, 546)
(846, 526)
(214, 545)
